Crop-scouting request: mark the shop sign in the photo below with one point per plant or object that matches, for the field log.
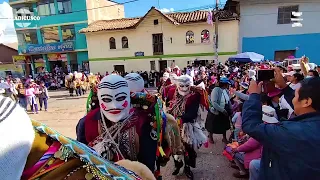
(57, 57)
(40, 60)
(11, 67)
(39, 65)
(139, 53)
(21, 59)
(49, 48)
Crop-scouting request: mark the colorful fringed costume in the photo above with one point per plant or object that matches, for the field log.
(54, 156)
(92, 101)
(116, 130)
(69, 83)
(185, 101)
(169, 141)
(139, 137)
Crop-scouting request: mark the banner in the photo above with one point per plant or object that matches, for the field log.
(40, 60)
(39, 65)
(11, 67)
(49, 48)
(57, 57)
(19, 60)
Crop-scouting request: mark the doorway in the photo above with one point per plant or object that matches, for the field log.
(119, 68)
(200, 62)
(162, 65)
(281, 55)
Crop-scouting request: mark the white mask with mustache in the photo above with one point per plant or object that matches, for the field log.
(184, 83)
(114, 97)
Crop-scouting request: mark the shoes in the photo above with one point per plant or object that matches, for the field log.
(178, 165)
(187, 171)
(234, 166)
(210, 140)
(238, 175)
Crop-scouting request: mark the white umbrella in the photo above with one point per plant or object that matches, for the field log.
(4, 86)
(247, 57)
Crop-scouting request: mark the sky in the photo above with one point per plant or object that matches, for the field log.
(133, 9)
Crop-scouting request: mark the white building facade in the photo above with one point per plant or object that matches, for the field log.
(157, 40)
(266, 28)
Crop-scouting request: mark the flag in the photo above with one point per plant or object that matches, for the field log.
(209, 20)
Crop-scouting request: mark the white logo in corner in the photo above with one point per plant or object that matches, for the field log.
(296, 19)
(24, 18)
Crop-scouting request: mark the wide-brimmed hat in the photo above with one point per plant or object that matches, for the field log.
(244, 85)
(269, 115)
(225, 80)
(290, 73)
(274, 93)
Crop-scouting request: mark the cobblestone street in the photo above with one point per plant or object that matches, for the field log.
(65, 111)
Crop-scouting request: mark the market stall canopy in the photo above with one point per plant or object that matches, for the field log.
(247, 57)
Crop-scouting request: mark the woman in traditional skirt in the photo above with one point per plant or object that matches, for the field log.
(218, 118)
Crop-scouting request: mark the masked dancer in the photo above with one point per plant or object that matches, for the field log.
(116, 130)
(185, 101)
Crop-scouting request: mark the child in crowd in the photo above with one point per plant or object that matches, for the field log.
(31, 98)
(237, 121)
(43, 96)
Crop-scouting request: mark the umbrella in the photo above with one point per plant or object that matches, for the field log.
(247, 57)
(4, 86)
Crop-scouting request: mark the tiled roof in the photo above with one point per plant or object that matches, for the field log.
(175, 18)
(115, 24)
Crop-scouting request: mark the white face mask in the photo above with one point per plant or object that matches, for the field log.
(173, 78)
(114, 97)
(165, 76)
(184, 83)
(135, 82)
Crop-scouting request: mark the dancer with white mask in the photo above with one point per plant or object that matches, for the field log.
(185, 101)
(115, 130)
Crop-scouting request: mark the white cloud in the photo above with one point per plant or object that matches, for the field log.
(165, 10)
(7, 31)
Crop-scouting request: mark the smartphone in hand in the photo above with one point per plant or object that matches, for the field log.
(265, 75)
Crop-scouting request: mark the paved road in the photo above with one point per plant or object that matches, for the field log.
(64, 113)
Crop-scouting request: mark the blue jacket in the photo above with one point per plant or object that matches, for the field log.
(290, 148)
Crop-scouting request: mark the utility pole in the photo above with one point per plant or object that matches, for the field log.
(216, 30)
(216, 38)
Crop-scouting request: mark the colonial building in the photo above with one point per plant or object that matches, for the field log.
(157, 40)
(53, 39)
(268, 28)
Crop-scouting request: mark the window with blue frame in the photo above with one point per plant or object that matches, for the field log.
(46, 8)
(64, 6)
(68, 33)
(27, 37)
(50, 34)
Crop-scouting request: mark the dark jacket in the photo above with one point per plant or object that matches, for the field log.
(290, 148)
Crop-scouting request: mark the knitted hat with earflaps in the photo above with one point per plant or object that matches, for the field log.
(16, 139)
